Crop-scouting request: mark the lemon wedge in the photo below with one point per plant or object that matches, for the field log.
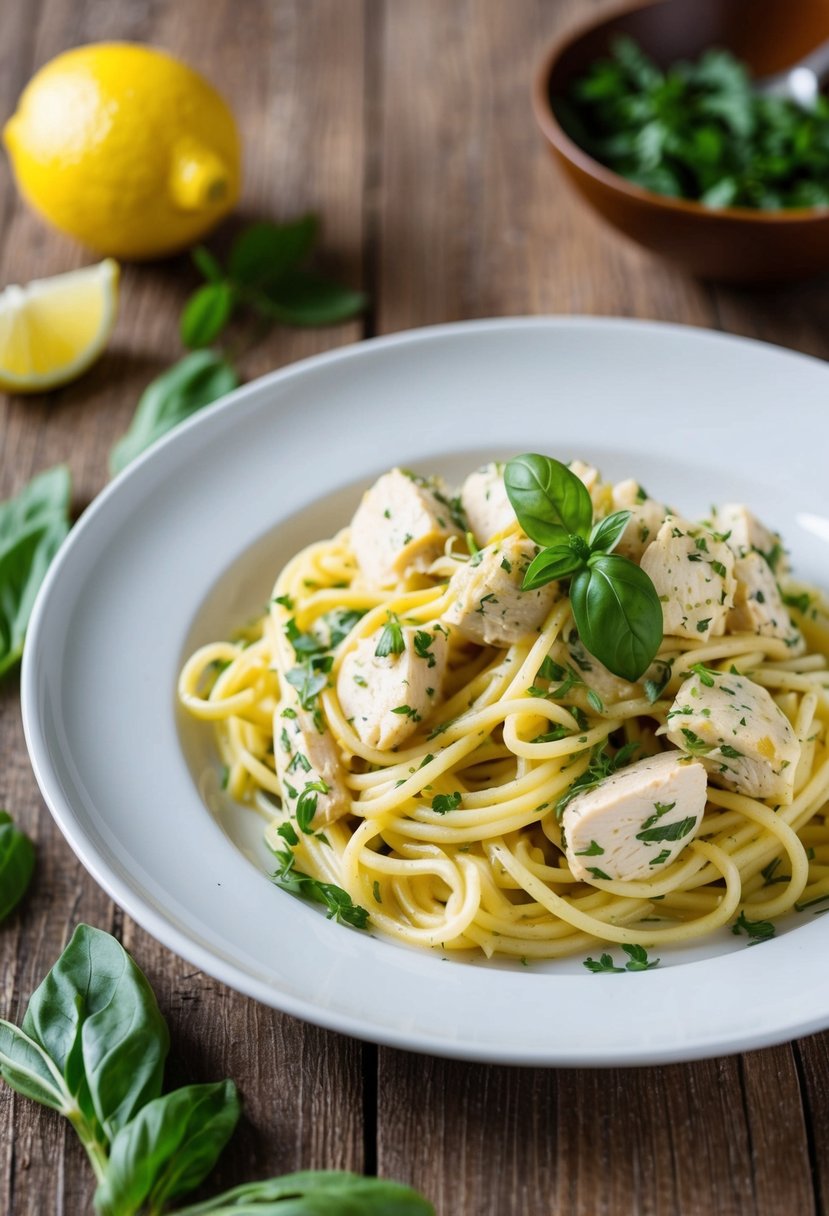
(53, 329)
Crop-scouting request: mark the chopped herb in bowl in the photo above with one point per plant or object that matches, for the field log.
(699, 131)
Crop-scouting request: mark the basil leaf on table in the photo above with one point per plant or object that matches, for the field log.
(304, 297)
(209, 265)
(206, 314)
(618, 614)
(26, 1067)
(97, 1019)
(17, 863)
(548, 499)
(92, 1047)
(264, 252)
(168, 1148)
(44, 499)
(317, 1193)
(195, 381)
(33, 526)
(23, 566)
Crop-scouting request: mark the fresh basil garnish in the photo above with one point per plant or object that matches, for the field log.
(615, 605)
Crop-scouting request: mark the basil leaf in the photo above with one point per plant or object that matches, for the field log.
(607, 532)
(303, 297)
(17, 862)
(618, 614)
(168, 1148)
(206, 313)
(548, 499)
(97, 1019)
(549, 565)
(26, 1067)
(32, 528)
(44, 499)
(23, 566)
(194, 382)
(264, 252)
(318, 1193)
(209, 266)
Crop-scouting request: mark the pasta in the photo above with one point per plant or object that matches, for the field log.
(442, 814)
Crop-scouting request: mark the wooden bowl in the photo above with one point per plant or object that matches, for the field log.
(739, 244)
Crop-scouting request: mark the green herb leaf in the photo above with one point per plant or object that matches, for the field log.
(262, 253)
(97, 1019)
(550, 502)
(446, 802)
(669, 831)
(205, 314)
(391, 639)
(549, 565)
(17, 863)
(168, 1148)
(306, 807)
(638, 959)
(618, 614)
(306, 298)
(188, 386)
(338, 902)
(207, 264)
(607, 533)
(317, 1193)
(757, 930)
(604, 963)
(26, 1067)
(32, 528)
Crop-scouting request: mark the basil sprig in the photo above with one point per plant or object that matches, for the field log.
(266, 274)
(615, 605)
(92, 1046)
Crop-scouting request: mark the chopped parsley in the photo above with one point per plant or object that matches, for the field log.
(757, 930)
(391, 639)
(339, 903)
(423, 640)
(637, 961)
(446, 802)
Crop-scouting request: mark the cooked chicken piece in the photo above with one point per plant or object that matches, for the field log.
(485, 503)
(694, 578)
(758, 604)
(744, 531)
(636, 821)
(734, 727)
(400, 526)
(489, 606)
(306, 756)
(610, 688)
(385, 696)
(646, 518)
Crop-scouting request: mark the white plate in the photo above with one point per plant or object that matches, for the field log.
(185, 545)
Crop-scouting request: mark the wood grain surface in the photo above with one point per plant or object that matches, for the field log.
(407, 125)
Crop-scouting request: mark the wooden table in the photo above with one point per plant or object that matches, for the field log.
(407, 125)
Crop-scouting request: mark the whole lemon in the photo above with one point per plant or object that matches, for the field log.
(126, 149)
